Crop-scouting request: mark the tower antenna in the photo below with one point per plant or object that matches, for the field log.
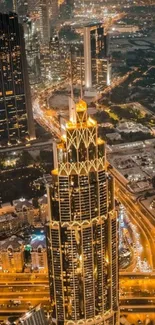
(71, 75)
(81, 74)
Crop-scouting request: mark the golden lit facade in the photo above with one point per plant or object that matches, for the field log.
(82, 229)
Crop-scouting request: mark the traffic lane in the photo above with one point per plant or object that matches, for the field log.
(23, 288)
(150, 246)
(137, 301)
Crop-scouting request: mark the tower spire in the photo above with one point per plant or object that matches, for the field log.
(81, 75)
(71, 75)
(72, 110)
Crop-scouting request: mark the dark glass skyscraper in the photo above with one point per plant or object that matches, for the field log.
(16, 119)
(82, 230)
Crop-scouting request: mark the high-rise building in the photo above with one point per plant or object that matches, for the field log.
(15, 6)
(33, 6)
(16, 118)
(34, 317)
(96, 51)
(45, 66)
(60, 58)
(54, 8)
(82, 240)
(6, 5)
(32, 46)
(44, 22)
(20, 7)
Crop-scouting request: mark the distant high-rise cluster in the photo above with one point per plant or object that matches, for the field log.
(83, 7)
(38, 11)
(16, 119)
(82, 229)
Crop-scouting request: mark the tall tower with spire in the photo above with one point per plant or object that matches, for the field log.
(82, 234)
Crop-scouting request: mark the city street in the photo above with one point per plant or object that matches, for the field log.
(138, 217)
(136, 316)
(21, 292)
(136, 286)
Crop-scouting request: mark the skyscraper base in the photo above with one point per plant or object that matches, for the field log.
(91, 92)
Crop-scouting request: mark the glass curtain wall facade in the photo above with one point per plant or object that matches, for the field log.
(98, 56)
(96, 53)
(16, 119)
(82, 235)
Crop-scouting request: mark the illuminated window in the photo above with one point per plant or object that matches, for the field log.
(9, 92)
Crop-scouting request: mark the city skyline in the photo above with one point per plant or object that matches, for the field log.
(77, 200)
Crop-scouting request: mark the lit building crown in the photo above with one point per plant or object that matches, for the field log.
(82, 231)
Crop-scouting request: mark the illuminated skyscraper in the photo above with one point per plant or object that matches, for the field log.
(53, 8)
(44, 21)
(32, 46)
(16, 119)
(96, 52)
(87, 57)
(15, 7)
(20, 7)
(82, 235)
